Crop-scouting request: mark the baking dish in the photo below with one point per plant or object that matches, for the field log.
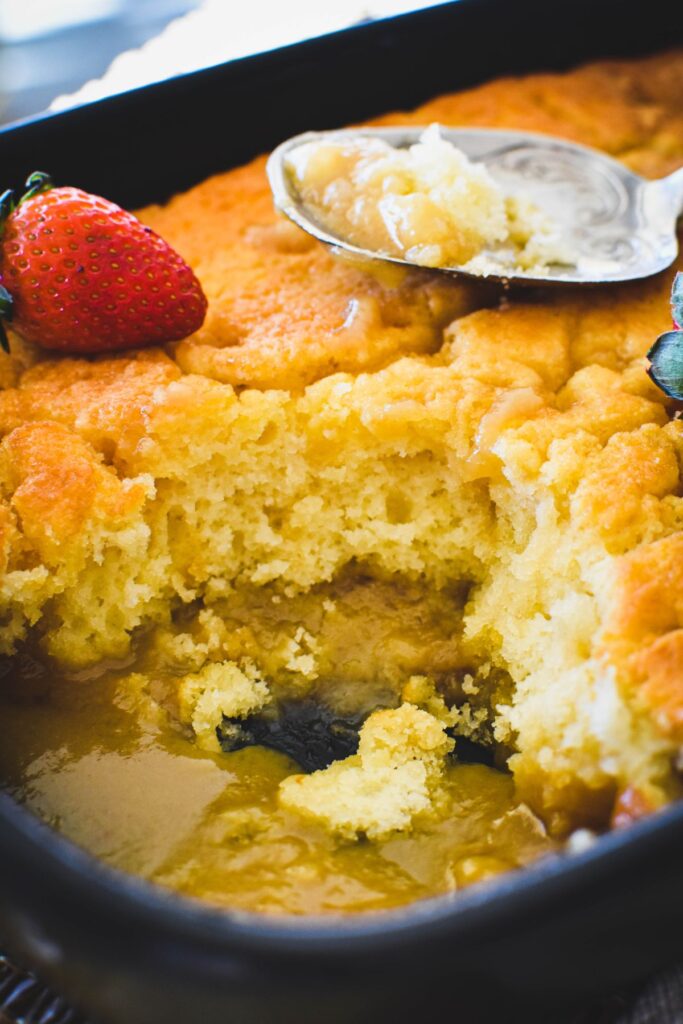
(126, 951)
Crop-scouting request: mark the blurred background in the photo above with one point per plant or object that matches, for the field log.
(55, 53)
(52, 47)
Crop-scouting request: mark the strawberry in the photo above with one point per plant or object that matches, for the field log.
(80, 275)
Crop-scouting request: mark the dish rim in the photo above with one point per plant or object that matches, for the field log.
(530, 893)
(535, 889)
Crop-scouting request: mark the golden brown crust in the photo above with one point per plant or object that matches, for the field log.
(630, 109)
(282, 311)
(55, 484)
(107, 403)
(643, 633)
(623, 484)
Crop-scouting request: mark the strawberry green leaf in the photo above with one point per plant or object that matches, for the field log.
(666, 363)
(6, 304)
(677, 300)
(37, 182)
(7, 206)
(6, 310)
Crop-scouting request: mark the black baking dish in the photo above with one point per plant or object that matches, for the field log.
(536, 944)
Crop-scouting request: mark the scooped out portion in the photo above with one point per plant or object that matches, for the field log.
(108, 764)
(427, 203)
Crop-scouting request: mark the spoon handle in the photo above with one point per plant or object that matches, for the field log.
(673, 184)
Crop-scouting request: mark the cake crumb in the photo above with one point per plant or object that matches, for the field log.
(392, 781)
(220, 689)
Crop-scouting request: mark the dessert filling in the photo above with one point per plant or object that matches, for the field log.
(103, 764)
(361, 785)
(367, 589)
(427, 203)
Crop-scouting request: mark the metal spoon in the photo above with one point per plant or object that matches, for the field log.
(620, 226)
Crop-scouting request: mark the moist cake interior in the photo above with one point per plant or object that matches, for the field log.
(361, 502)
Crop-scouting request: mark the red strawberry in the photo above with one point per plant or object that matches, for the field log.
(79, 274)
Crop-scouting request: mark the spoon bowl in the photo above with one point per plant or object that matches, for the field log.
(620, 226)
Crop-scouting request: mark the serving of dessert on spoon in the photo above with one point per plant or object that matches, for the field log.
(510, 206)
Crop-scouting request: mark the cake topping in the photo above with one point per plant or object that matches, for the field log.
(80, 275)
(666, 355)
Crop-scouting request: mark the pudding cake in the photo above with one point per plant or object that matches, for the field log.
(376, 580)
